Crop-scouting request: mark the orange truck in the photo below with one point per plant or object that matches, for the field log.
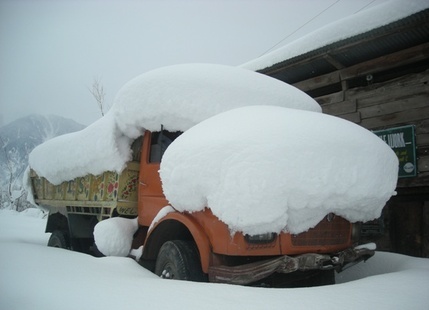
(191, 246)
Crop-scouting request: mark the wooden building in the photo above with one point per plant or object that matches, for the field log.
(379, 80)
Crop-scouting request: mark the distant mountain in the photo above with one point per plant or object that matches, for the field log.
(19, 138)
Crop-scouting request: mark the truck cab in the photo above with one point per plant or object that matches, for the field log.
(221, 256)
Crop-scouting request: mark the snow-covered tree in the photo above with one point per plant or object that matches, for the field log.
(12, 190)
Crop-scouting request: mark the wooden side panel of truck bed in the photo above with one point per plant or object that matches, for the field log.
(107, 191)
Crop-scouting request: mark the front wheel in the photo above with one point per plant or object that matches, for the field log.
(179, 260)
(59, 239)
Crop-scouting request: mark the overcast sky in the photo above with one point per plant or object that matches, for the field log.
(51, 51)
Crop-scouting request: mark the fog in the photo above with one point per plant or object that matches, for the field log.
(52, 51)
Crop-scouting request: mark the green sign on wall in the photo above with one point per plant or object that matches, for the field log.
(402, 142)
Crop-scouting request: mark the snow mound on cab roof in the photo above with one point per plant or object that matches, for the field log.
(181, 96)
(177, 97)
(267, 169)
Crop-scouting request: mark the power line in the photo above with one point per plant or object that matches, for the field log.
(313, 18)
(365, 6)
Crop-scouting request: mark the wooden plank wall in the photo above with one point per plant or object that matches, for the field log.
(402, 100)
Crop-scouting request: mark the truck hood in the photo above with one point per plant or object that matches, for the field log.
(270, 169)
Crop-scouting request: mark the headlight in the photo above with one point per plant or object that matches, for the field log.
(262, 238)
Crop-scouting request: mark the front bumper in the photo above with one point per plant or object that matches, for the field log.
(249, 273)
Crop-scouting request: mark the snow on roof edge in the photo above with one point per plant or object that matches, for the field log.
(345, 28)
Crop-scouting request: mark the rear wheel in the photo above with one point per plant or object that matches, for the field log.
(179, 260)
(59, 239)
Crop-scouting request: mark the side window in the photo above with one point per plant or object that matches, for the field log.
(136, 147)
(160, 142)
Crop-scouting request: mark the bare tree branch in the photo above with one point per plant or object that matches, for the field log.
(98, 93)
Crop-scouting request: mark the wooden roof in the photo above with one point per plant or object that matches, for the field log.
(336, 62)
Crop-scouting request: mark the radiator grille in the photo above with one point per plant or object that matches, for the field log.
(334, 231)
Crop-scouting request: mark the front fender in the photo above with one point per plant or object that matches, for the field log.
(178, 226)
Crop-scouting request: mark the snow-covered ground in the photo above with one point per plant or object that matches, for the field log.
(33, 276)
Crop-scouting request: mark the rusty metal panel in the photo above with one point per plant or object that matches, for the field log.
(332, 230)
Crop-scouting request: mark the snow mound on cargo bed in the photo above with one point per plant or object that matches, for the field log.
(97, 148)
(177, 97)
(267, 169)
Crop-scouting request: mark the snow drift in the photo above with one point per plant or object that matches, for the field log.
(56, 279)
(177, 97)
(267, 169)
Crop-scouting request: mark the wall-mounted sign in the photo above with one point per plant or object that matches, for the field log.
(402, 140)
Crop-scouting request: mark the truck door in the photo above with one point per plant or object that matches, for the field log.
(151, 197)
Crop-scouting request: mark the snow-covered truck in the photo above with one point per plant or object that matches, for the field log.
(232, 177)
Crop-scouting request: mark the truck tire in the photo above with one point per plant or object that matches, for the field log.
(179, 260)
(59, 239)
